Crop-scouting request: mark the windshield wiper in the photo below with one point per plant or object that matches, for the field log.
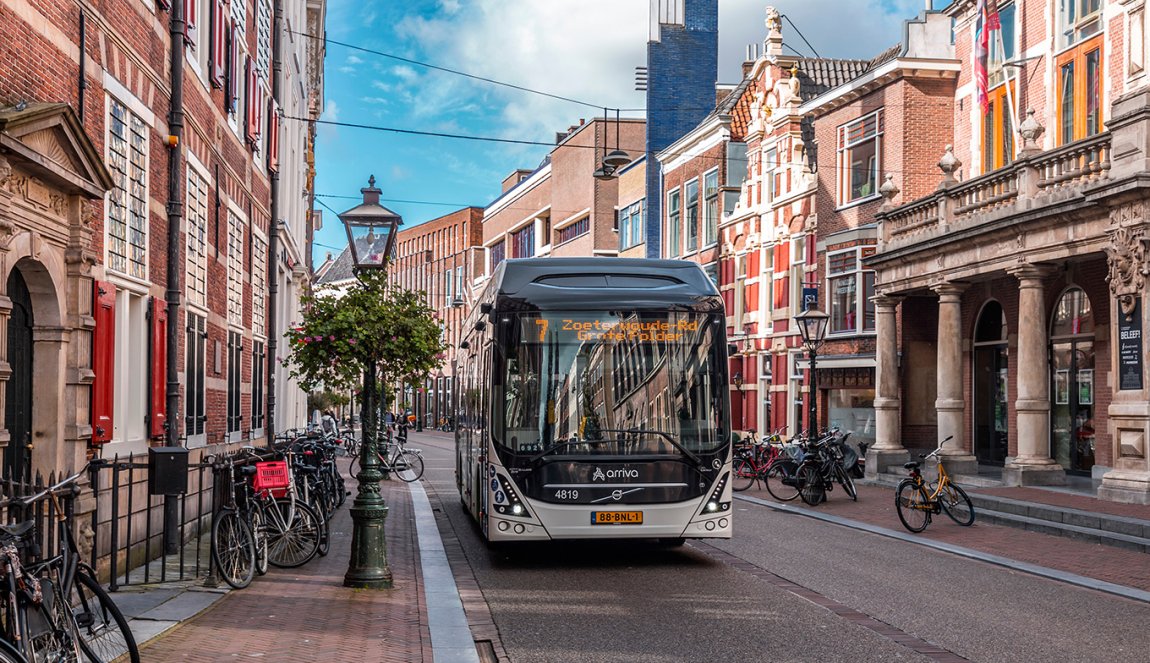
(564, 443)
(667, 436)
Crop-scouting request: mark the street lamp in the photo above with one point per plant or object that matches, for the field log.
(371, 230)
(812, 324)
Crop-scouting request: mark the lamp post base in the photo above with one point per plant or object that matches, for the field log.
(368, 568)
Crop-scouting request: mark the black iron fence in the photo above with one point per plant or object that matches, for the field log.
(13, 509)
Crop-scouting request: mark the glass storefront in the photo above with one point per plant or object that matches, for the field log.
(852, 410)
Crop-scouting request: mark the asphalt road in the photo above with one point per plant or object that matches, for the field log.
(786, 588)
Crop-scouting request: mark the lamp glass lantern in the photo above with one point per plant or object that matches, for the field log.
(812, 325)
(371, 230)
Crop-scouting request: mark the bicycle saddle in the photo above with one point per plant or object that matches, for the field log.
(247, 470)
(18, 530)
(912, 465)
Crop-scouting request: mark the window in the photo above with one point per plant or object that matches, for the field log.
(235, 361)
(1080, 91)
(498, 253)
(1136, 46)
(523, 242)
(770, 163)
(631, 225)
(798, 273)
(712, 272)
(998, 130)
(849, 291)
(235, 269)
(259, 284)
(263, 37)
(711, 207)
(197, 254)
(1078, 20)
(674, 227)
(127, 205)
(996, 73)
(459, 281)
(447, 279)
(259, 361)
(859, 149)
(131, 378)
(691, 212)
(577, 229)
(545, 229)
(196, 336)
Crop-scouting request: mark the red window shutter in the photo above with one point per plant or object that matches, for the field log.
(251, 91)
(190, 7)
(103, 361)
(273, 136)
(219, 43)
(158, 374)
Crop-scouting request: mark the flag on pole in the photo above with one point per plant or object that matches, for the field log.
(987, 21)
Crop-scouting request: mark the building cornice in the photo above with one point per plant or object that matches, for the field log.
(881, 76)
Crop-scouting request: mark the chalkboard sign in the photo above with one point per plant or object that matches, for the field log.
(1130, 348)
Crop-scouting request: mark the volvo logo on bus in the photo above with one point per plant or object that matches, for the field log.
(614, 473)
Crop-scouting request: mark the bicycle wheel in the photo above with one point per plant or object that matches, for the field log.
(810, 484)
(293, 533)
(781, 478)
(9, 653)
(259, 540)
(51, 626)
(408, 466)
(956, 503)
(845, 480)
(104, 632)
(233, 548)
(742, 475)
(913, 505)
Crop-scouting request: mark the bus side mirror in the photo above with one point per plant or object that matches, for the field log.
(732, 349)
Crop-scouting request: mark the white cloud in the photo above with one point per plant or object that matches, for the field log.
(587, 50)
(331, 111)
(354, 59)
(381, 86)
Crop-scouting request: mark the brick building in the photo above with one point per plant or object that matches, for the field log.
(1017, 282)
(111, 146)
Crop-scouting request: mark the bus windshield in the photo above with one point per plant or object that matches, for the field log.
(612, 383)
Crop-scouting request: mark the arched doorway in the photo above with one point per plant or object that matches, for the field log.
(18, 397)
(989, 388)
(1072, 382)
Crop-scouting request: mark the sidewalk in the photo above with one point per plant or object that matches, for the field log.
(307, 614)
(876, 507)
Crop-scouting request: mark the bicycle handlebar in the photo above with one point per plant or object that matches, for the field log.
(948, 438)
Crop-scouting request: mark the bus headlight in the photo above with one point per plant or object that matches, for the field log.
(507, 500)
(712, 506)
(716, 504)
(517, 509)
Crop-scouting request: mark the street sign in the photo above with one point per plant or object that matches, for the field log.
(810, 298)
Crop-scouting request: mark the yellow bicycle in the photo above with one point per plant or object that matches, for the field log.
(918, 500)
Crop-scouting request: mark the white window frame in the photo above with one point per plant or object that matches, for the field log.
(770, 164)
(131, 105)
(710, 236)
(690, 224)
(766, 289)
(845, 147)
(674, 227)
(862, 299)
(198, 53)
(798, 273)
(130, 406)
(237, 222)
(630, 217)
(197, 270)
(259, 281)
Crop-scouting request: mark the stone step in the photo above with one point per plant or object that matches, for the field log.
(1088, 534)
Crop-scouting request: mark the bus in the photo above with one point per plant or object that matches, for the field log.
(592, 402)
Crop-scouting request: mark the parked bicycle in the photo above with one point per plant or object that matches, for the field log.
(395, 457)
(918, 500)
(822, 466)
(54, 608)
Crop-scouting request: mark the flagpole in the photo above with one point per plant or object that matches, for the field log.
(1009, 95)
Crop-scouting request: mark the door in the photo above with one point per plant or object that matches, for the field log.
(989, 376)
(18, 401)
(1072, 383)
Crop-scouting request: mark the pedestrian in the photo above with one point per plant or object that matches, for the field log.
(329, 424)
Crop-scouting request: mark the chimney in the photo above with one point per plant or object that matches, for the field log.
(371, 193)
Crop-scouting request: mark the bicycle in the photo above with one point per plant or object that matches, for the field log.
(821, 468)
(754, 458)
(918, 500)
(56, 610)
(396, 458)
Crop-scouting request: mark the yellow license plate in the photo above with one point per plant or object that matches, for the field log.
(616, 517)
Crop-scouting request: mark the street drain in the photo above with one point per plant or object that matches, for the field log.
(486, 651)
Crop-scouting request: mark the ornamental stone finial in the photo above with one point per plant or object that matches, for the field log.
(948, 164)
(1031, 131)
(888, 191)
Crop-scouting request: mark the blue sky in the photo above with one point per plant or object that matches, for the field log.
(585, 50)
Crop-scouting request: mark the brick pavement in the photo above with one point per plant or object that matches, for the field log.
(306, 614)
(1069, 500)
(876, 507)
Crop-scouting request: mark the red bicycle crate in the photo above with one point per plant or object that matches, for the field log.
(273, 477)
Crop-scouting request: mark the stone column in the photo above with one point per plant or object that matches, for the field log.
(887, 449)
(1032, 464)
(950, 403)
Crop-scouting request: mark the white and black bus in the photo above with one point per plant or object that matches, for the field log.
(592, 402)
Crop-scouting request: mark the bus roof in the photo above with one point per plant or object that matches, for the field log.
(551, 282)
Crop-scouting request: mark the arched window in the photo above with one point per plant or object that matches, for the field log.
(1072, 315)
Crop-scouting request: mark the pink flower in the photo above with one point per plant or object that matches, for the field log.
(331, 338)
(351, 341)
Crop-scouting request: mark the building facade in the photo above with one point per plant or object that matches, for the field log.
(105, 158)
(1018, 282)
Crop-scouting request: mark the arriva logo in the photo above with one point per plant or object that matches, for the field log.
(619, 473)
